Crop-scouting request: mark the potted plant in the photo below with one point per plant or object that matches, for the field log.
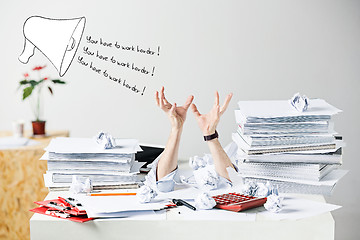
(34, 89)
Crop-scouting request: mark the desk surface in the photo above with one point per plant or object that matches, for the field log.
(43, 140)
(174, 227)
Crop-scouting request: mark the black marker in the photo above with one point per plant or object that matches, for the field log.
(180, 202)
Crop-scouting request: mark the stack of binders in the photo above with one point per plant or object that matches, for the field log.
(297, 151)
(83, 157)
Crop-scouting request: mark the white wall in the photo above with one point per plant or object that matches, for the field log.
(255, 49)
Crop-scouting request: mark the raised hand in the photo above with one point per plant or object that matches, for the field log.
(208, 122)
(177, 115)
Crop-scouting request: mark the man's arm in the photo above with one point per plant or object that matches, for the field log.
(208, 123)
(177, 117)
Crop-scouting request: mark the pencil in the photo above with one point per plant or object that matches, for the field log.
(112, 194)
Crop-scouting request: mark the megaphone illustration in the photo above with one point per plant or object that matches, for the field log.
(57, 39)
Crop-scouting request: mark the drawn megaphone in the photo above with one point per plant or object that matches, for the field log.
(57, 39)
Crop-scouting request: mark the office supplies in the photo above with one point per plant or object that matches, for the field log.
(112, 194)
(237, 202)
(62, 208)
(180, 202)
(50, 212)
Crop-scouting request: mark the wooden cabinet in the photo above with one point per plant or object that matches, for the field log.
(22, 183)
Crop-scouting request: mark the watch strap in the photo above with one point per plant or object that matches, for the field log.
(211, 137)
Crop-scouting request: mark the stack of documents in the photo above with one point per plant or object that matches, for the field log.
(84, 158)
(275, 142)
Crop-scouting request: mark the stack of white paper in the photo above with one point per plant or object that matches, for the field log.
(84, 158)
(276, 142)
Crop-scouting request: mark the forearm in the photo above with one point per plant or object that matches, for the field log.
(221, 159)
(168, 160)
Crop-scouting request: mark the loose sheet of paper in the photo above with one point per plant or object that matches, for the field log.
(113, 204)
(282, 108)
(131, 215)
(212, 215)
(12, 142)
(89, 145)
(297, 208)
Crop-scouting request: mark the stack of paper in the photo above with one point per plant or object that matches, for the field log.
(276, 142)
(84, 158)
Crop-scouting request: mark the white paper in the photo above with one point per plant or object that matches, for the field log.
(282, 108)
(113, 204)
(89, 145)
(45, 156)
(213, 214)
(297, 208)
(135, 169)
(329, 180)
(13, 142)
(131, 215)
(49, 183)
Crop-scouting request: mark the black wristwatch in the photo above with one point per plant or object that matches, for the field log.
(211, 137)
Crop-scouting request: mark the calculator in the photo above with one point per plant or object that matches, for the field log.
(237, 202)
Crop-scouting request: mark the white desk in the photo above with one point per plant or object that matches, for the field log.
(318, 227)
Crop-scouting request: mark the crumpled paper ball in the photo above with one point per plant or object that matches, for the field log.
(259, 189)
(249, 188)
(78, 186)
(105, 140)
(300, 103)
(274, 203)
(206, 177)
(262, 190)
(187, 180)
(87, 186)
(204, 201)
(197, 162)
(146, 194)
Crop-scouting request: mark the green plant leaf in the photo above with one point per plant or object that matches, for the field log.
(51, 91)
(58, 81)
(23, 82)
(27, 92)
(33, 83)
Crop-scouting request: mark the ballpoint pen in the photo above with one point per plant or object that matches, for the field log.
(180, 202)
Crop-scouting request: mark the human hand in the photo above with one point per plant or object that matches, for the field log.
(177, 115)
(208, 122)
